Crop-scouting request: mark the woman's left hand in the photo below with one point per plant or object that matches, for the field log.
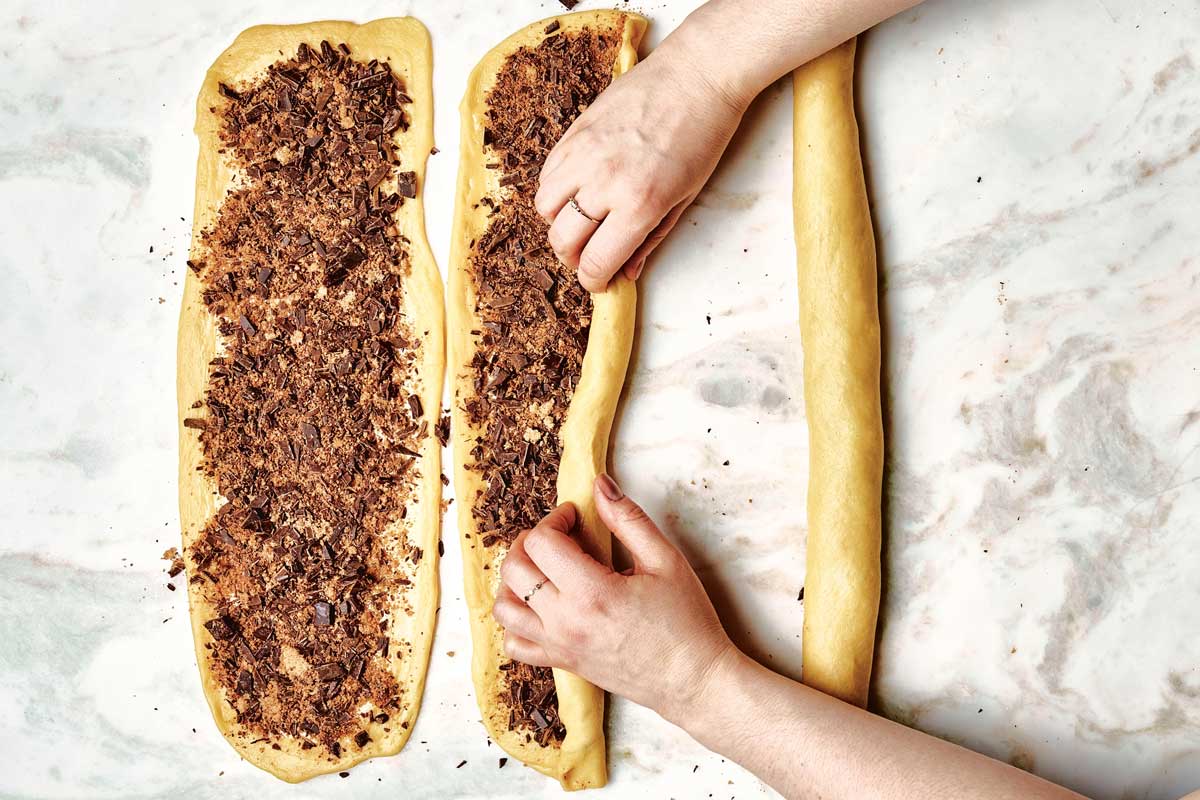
(650, 634)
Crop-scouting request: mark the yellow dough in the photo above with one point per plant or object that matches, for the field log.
(404, 44)
(839, 328)
(580, 761)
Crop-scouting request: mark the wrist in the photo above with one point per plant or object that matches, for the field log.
(698, 705)
(699, 48)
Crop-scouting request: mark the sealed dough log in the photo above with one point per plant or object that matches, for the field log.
(839, 329)
(310, 363)
(538, 366)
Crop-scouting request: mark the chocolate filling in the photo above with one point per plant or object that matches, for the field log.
(312, 432)
(534, 318)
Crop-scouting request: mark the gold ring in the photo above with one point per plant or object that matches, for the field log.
(575, 205)
(533, 591)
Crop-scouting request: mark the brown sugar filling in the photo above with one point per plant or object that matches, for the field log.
(534, 318)
(312, 431)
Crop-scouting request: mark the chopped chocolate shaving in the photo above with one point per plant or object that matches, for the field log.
(443, 429)
(177, 566)
(303, 427)
(406, 184)
(311, 434)
(221, 629)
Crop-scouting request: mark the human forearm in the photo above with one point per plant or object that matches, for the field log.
(651, 635)
(806, 744)
(616, 184)
(741, 46)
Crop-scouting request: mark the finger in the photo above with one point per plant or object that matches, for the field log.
(637, 262)
(522, 576)
(513, 615)
(523, 650)
(633, 270)
(609, 247)
(560, 153)
(561, 519)
(572, 228)
(633, 527)
(554, 190)
(557, 554)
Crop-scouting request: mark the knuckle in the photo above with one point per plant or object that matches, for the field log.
(541, 202)
(632, 512)
(536, 540)
(593, 603)
(642, 190)
(576, 636)
(506, 568)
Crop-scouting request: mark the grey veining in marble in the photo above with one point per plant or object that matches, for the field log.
(1033, 169)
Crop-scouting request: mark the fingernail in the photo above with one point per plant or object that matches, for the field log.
(608, 487)
(637, 271)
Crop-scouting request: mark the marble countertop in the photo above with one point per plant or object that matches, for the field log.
(1033, 169)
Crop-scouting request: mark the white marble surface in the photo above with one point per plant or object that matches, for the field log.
(1034, 169)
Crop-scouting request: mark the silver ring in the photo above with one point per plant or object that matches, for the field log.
(533, 591)
(575, 205)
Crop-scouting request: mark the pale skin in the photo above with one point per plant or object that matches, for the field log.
(639, 155)
(650, 634)
(633, 162)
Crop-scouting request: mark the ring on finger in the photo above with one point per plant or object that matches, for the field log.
(571, 201)
(533, 591)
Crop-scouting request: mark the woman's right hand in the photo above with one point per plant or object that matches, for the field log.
(634, 160)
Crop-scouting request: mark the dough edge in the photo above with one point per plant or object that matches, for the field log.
(580, 761)
(404, 42)
(839, 323)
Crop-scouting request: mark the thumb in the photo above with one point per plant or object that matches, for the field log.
(632, 526)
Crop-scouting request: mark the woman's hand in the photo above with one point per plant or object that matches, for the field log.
(633, 161)
(649, 634)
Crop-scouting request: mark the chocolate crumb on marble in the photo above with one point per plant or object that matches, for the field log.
(308, 427)
(534, 319)
(172, 554)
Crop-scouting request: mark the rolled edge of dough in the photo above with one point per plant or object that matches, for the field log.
(839, 329)
(579, 762)
(404, 43)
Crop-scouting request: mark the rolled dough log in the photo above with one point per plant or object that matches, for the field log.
(580, 760)
(839, 329)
